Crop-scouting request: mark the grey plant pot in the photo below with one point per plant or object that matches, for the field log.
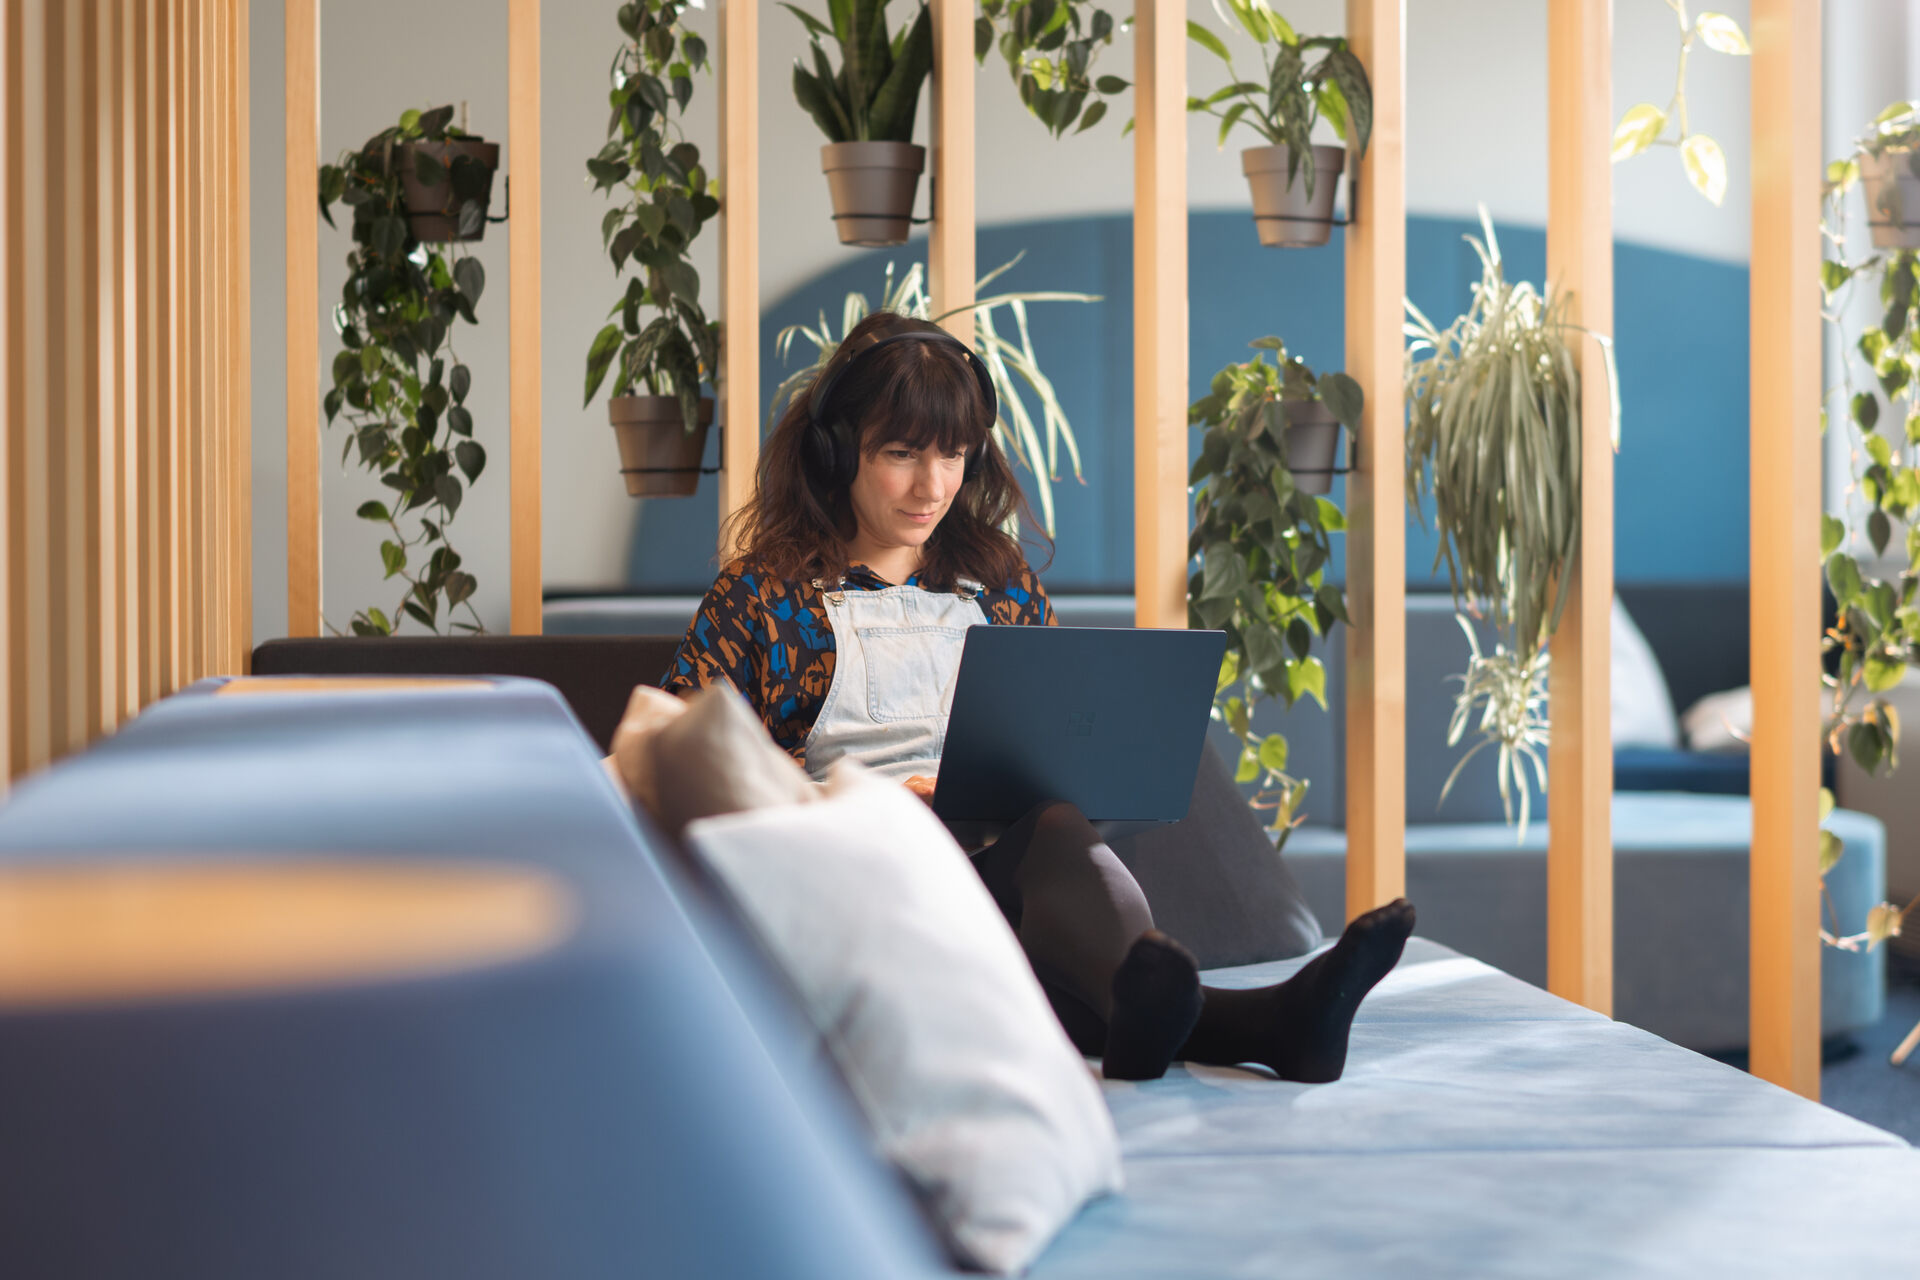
(659, 457)
(1285, 216)
(873, 185)
(1312, 445)
(434, 212)
(1892, 185)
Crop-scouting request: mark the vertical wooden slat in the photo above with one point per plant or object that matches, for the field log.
(102, 353)
(1580, 754)
(1160, 314)
(166, 19)
(739, 384)
(190, 434)
(1785, 533)
(214, 278)
(126, 145)
(303, 316)
(10, 415)
(66, 399)
(950, 241)
(1376, 524)
(30, 602)
(243, 338)
(523, 275)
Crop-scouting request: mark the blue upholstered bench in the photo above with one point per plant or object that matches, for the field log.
(642, 1099)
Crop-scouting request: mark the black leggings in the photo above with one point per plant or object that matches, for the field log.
(1075, 908)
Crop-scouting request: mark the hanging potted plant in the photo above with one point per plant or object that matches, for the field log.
(1493, 433)
(1886, 163)
(866, 109)
(445, 174)
(664, 198)
(1292, 180)
(1262, 534)
(1050, 49)
(398, 381)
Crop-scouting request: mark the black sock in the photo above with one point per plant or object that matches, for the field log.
(1156, 999)
(1299, 1028)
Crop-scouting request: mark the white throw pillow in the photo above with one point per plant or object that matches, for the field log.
(1642, 706)
(1721, 722)
(922, 995)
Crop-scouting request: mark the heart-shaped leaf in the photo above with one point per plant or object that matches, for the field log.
(1706, 166)
(1637, 130)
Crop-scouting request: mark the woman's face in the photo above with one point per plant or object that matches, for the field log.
(901, 494)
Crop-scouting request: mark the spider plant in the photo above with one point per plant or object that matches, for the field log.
(1011, 361)
(1493, 435)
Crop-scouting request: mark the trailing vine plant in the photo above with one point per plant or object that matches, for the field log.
(1876, 635)
(1264, 547)
(664, 197)
(1645, 125)
(1050, 47)
(1493, 435)
(398, 381)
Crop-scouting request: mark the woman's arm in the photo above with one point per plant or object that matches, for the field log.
(726, 642)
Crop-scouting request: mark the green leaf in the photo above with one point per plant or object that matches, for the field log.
(427, 169)
(471, 457)
(471, 278)
(1249, 766)
(379, 620)
(1308, 676)
(1722, 34)
(1343, 397)
(393, 556)
(1706, 166)
(419, 615)
(1208, 41)
(374, 510)
(1843, 575)
(460, 586)
(599, 357)
(1637, 130)
(1832, 533)
(1332, 518)
(447, 490)
(1883, 673)
(1273, 753)
(1866, 410)
(1831, 847)
(1865, 746)
(460, 421)
(1879, 531)
(1111, 84)
(459, 382)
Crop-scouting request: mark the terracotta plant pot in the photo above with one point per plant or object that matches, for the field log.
(1892, 185)
(658, 455)
(434, 211)
(873, 185)
(1312, 445)
(1285, 216)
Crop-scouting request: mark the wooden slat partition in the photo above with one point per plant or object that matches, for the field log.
(241, 366)
(303, 316)
(1376, 491)
(950, 241)
(1580, 754)
(739, 380)
(523, 290)
(122, 229)
(1160, 314)
(1785, 533)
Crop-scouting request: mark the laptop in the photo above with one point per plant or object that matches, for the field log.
(1111, 720)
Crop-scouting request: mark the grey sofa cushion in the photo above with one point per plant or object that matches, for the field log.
(1215, 881)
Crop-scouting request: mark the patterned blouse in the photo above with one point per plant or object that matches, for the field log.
(772, 641)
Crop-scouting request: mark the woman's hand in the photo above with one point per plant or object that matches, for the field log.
(922, 786)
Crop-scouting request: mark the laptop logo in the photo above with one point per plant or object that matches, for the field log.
(1080, 724)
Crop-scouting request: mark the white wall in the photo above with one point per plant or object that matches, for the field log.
(1476, 132)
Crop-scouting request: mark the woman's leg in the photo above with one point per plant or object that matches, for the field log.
(1121, 989)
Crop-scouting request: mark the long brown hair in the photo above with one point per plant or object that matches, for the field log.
(920, 394)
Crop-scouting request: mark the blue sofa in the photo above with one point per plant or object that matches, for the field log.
(641, 1098)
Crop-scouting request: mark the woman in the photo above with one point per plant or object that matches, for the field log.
(876, 536)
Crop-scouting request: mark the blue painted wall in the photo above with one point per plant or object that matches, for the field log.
(1680, 479)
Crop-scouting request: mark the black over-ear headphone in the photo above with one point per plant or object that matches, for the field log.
(829, 444)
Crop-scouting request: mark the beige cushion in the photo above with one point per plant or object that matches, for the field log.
(922, 995)
(706, 756)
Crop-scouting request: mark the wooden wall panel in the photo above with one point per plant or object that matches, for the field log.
(739, 381)
(523, 288)
(242, 363)
(1376, 525)
(951, 238)
(1580, 754)
(122, 234)
(1785, 535)
(1160, 509)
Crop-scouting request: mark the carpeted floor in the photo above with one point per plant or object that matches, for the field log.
(1861, 1083)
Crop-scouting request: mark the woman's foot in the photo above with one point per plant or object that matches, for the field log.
(1156, 999)
(1299, 1028)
